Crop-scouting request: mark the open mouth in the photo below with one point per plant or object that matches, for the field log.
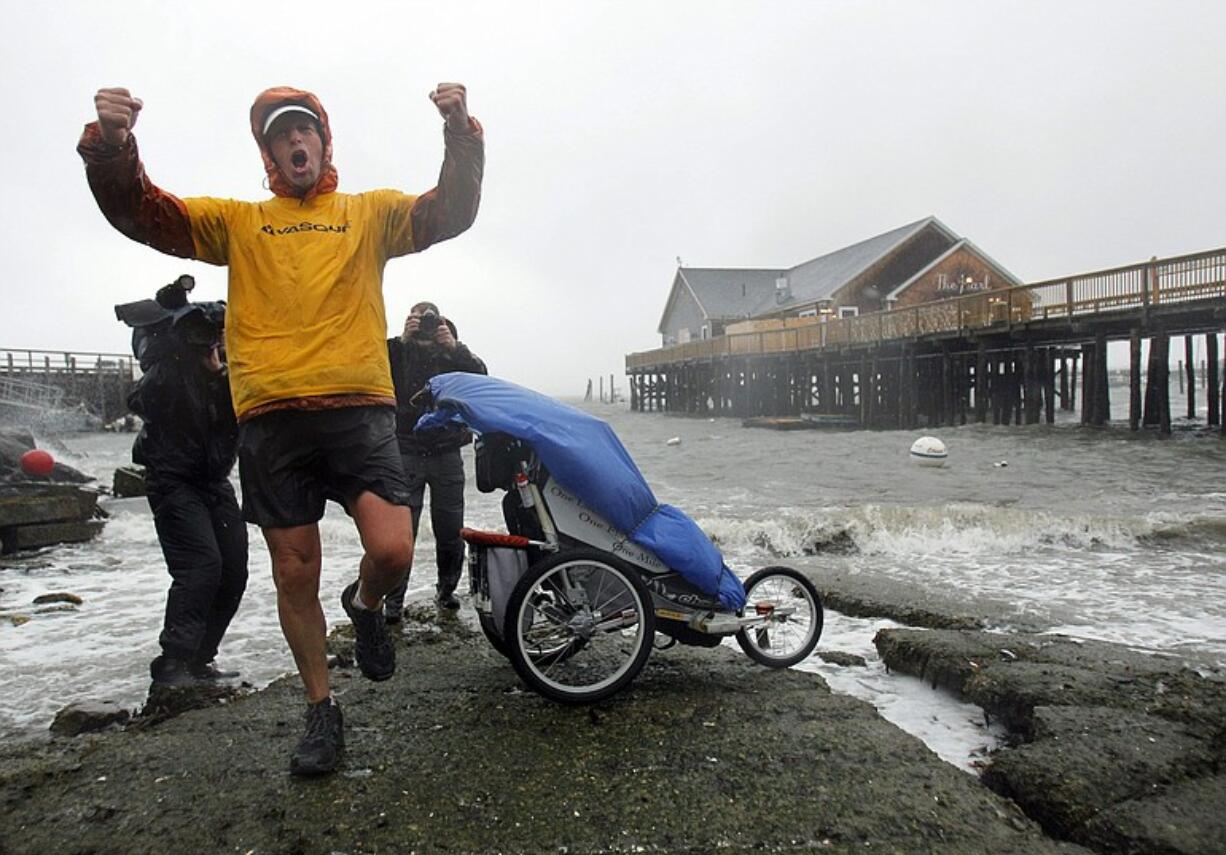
(299, 159)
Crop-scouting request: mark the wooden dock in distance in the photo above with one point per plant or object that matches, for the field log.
(1011, 356)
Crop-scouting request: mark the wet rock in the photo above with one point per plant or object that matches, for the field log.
(41, 515)
(1108, 737)
(57, 597)
(17, 619)
(87, 717)
(128, 481)
(837, 657)
(1083, 760)
(704, 753)
(1183, 817)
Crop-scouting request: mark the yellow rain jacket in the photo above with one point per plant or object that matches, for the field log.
(305, 323)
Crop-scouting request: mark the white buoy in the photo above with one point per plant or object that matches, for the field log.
(929, 451)
(676, 440)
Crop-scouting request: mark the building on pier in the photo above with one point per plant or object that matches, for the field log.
(943, 347)
(912, 264)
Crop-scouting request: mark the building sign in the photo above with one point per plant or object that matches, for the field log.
(962, 282)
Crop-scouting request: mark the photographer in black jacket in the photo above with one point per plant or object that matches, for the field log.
(188, 447)
(428, 346)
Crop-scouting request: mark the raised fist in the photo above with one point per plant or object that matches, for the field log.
(117, 112)
(452, 102)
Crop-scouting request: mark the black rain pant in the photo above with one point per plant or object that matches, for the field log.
(204, 542)
(443, 473)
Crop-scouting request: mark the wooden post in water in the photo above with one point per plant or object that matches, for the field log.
(1211, 379)
(1030, 385)
(1072, 379)
(1190, 363)
(981, 383)
(1049, 384)
(1087, 368)
(1162, 345)
(1134, 379)
(1065, 402)
(1149, 411)
(1102, 382)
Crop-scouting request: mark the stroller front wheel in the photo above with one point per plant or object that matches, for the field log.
(579, 626)
(792, 617)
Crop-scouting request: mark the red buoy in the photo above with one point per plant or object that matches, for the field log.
(37, 463)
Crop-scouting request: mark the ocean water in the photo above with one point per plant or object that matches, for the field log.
(1096, 533)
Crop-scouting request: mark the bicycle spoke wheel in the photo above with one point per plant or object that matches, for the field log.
(791, 611)
(579, 626)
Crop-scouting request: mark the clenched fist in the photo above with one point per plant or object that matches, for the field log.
(452, 102)
(117, 112)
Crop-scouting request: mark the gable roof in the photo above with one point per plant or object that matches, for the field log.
(723, 293)
(736, 293)
(821, 277)
(961, 244)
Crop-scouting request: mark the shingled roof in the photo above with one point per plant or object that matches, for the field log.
(734, 293)
(821, 277)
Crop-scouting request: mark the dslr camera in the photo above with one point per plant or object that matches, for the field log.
(427, 326)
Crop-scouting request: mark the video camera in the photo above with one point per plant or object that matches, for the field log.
(170, 323)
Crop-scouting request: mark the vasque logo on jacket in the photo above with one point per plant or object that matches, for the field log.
(268, 228)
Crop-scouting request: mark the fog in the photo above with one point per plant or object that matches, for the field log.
(1059, 137)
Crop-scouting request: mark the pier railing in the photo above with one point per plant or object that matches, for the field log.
(1181, 279)
(54, 379)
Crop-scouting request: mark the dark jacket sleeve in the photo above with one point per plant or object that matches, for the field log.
(451, 207)
(461, 359)
(189, 432)
(129, 200)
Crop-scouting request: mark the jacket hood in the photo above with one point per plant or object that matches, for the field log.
(265, 103)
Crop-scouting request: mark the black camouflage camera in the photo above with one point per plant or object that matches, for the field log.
(170, 324)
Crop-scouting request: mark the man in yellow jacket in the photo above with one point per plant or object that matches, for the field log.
(305, 337)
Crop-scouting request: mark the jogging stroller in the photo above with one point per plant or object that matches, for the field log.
(591, 567)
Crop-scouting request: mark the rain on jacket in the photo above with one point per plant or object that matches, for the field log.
(306, 317)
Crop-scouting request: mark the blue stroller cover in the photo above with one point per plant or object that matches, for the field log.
(585, 456)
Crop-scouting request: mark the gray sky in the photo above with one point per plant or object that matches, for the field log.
(1060, 137)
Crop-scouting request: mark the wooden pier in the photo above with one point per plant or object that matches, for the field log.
(39, 381)
(1009, 356)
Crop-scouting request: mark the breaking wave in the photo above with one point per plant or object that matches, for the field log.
(952, 529)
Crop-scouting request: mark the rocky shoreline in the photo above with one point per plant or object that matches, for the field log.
(1114, 751)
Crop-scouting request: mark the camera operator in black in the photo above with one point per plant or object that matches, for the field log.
(188, 447)
(428, 346)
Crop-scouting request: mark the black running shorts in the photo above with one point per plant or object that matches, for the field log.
(290, 462)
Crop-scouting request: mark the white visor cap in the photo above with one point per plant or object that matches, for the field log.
(282, 110)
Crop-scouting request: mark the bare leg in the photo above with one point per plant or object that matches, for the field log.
(387, 536)
(296, 561)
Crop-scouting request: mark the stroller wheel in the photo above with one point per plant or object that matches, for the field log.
(792, 611)
(491, 633)
(579, 626)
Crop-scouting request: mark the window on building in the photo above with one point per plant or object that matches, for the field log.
(808, 313)
(848, 311)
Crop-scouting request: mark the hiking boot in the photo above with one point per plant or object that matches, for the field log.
(321, 745)
(175, 673)
(374, 651)
(392, 612)
(209, 671)
(447, 600)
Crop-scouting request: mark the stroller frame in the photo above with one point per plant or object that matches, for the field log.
(576, 606)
